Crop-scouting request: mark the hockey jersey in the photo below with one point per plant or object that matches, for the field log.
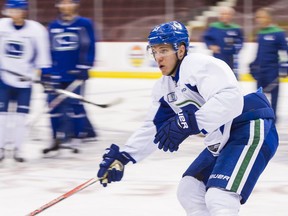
(203, 83)
(271, 42)
(22, 51)
(229, 37)
(72, 46)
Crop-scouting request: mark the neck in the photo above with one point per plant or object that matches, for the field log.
(18, 22)
(68, 17)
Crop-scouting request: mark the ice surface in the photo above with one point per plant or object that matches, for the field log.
(148, 188)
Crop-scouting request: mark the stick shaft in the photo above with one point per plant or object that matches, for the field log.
(64, 196)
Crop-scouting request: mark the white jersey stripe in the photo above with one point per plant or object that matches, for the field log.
(252, 161)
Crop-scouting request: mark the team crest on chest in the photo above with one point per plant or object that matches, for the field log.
(172, 97)
(14, 49)
(65, 41)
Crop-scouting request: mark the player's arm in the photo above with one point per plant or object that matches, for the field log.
(221, 91)
(217, 84)
(283, 55)
(239, 41)
(42, 47)
(87, 50)
(210, 40)
(137, 147)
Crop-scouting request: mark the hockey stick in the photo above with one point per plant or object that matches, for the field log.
(64, 196)
(81, 98)
(67, 92)
(56, 101)
(271, 86)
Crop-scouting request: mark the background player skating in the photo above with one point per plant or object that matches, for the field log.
(24, 47)
(199, 93)
(73, 53)
(271, 60)
(225, 38)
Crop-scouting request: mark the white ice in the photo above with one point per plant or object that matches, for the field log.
(148, 188)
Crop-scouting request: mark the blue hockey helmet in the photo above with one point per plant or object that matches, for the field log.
(16, 4)
(173, 33)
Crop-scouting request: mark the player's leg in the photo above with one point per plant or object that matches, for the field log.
(58, 120)
(90, 131)
(23, 96)
(191, 195)
(250, 147)
(192, 189)
(274, 97)
(221, 202)
(4, 100)
(82, 126)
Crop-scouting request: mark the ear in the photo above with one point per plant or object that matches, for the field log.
(181, 51)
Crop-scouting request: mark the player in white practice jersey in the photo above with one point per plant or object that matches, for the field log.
(199, 93)
(24, 47)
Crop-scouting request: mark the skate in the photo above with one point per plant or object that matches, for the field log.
(54, 147)
(2, 154)
(70, 145)
(17, 157)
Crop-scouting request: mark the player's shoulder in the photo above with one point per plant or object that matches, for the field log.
(221, 25)
(5, 21)
(197, 58)
(197, 62)
(34, 24)
(273, 29)
(84, 20)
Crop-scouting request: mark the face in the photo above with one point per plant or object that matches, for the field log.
(166, 58)
(263, 19)
(226, 16)
(18, 15)
(67, 7)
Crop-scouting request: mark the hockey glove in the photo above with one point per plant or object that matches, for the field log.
(112, 165)
(81, 74)
(49, 80)
(283, 69)
(173, 132)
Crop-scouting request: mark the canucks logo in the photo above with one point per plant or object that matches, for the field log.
(171, 97)
(14, 49)
(65, 41)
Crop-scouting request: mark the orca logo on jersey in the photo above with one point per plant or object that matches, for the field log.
(14, 49)
(65, 41)
(182, 121)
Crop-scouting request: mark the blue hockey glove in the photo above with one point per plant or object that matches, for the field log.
(81, 74)
(112, 165)
(173, 132)
(255, 70)
(49, 80)
(283, 69)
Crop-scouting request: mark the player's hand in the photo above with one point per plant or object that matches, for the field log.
(173, 132)
(283, 69)
(50, 82)
(112, 165)
(81, 74)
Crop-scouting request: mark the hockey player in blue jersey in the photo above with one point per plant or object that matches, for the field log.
(199, 93)
(271, 61)
(24, 48)
(225, 39)
(73, 52)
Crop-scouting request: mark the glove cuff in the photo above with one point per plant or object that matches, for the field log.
(193, 123)
(125, 158)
